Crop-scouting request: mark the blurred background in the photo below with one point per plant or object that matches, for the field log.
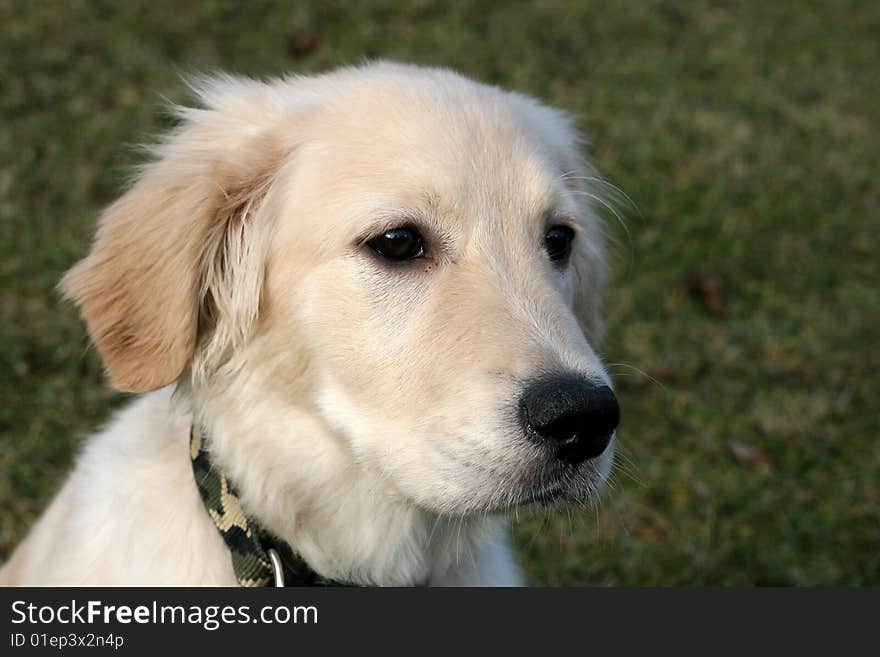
(743, 314)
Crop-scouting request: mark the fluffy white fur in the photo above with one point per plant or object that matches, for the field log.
(366, 412)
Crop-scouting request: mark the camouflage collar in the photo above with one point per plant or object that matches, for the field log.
(258, 557)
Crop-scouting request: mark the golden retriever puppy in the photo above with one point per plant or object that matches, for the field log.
(365, 303)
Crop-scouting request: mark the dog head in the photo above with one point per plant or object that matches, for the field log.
(405, 256)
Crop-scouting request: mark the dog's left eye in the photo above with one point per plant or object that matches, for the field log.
(398, 244)
(558, 241)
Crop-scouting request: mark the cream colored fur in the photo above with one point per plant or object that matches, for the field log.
(366, 412)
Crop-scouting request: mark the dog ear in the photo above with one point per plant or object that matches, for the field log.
(588, 258)
(591, 274)
(150, 282)
(566, 146)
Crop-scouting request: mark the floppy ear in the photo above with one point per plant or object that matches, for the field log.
(566, 146)
(588, 259)
(151, 278)
(591, 274)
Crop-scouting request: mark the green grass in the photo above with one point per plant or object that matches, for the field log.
(747, 287)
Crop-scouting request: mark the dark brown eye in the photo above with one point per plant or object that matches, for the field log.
(398, 244)
(558, 241)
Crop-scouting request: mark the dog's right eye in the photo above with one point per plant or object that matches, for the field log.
(558, 241)
(398, 244)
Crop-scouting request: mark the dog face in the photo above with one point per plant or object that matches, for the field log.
(410, 255)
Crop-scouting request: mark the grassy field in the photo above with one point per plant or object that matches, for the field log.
(743, 317)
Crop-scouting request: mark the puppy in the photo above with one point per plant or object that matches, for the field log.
(369, 300)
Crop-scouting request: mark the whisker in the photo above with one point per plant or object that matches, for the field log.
(610, 208)
(617, 190)
(638, 371)
(629, 471)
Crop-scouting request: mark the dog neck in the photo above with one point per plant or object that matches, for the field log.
(258, 558)
(297, 479)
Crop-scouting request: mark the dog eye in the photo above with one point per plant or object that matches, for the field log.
(558, 241)
(398, 244)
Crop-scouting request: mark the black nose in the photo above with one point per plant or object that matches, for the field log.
(571, 414)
